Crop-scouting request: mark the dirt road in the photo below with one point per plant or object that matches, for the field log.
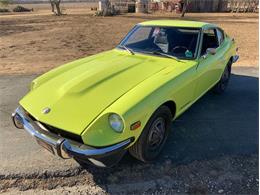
(36, 42)
(213, 148)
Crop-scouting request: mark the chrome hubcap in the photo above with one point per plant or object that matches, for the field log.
(156, 134)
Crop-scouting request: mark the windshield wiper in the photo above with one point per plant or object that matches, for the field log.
(128, 49)
(166, 55)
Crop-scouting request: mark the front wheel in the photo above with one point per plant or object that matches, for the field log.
(221, 86)
(154, 135)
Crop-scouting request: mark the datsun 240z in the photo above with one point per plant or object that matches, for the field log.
(96, 108)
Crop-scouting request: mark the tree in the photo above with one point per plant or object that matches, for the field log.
(184, 4)
(56, 3)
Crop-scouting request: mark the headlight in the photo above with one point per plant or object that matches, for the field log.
(116, 122)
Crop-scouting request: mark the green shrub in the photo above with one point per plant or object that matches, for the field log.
(2, 10)
(21, 9)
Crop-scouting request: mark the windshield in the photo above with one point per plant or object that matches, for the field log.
(165, 41)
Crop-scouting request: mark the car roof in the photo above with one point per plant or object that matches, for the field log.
(176, 23)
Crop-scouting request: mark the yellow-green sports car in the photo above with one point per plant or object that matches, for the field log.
(96, 108)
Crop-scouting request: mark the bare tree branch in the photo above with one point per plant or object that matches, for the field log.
(184, 4)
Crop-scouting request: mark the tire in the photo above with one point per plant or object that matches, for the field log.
(152, 139)
(221, 86)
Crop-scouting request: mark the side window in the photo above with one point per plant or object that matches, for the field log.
(220, 35)
(210, 40)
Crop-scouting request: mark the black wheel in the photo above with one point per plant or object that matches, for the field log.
(221, 86)
(154, 135)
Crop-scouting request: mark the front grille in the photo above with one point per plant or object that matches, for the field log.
(63, 133)
(58, 131)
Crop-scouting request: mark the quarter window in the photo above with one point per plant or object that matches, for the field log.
(220, 36)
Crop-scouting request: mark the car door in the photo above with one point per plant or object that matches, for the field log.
(210, 65)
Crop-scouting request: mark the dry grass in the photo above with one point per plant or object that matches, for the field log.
(36, 42)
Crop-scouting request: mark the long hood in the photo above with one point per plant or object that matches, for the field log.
(78, 92)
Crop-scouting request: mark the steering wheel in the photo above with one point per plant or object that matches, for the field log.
(180, 47)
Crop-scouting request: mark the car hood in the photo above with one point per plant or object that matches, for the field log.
(78, 92)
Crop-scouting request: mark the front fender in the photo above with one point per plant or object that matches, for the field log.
(100, 134)
(136, 105)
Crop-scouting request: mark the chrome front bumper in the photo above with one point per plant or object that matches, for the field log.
(63, 147)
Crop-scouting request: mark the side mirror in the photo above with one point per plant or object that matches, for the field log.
(211, 51)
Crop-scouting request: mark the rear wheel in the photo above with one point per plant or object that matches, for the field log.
(154, 135)
(221, 86)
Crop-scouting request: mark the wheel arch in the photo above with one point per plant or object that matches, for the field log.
(171, 105)
(229, 64)
(230, 59)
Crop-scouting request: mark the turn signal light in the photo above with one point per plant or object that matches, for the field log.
(135, 125)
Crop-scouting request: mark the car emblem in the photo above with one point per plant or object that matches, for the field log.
(46, 110)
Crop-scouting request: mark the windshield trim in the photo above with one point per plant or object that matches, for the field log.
(121, 44)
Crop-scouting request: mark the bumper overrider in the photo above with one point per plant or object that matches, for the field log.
(66, 148)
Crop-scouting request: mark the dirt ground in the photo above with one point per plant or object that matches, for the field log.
(38, 41)
(223, 174)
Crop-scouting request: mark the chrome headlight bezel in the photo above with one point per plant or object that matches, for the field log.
(116, 122)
